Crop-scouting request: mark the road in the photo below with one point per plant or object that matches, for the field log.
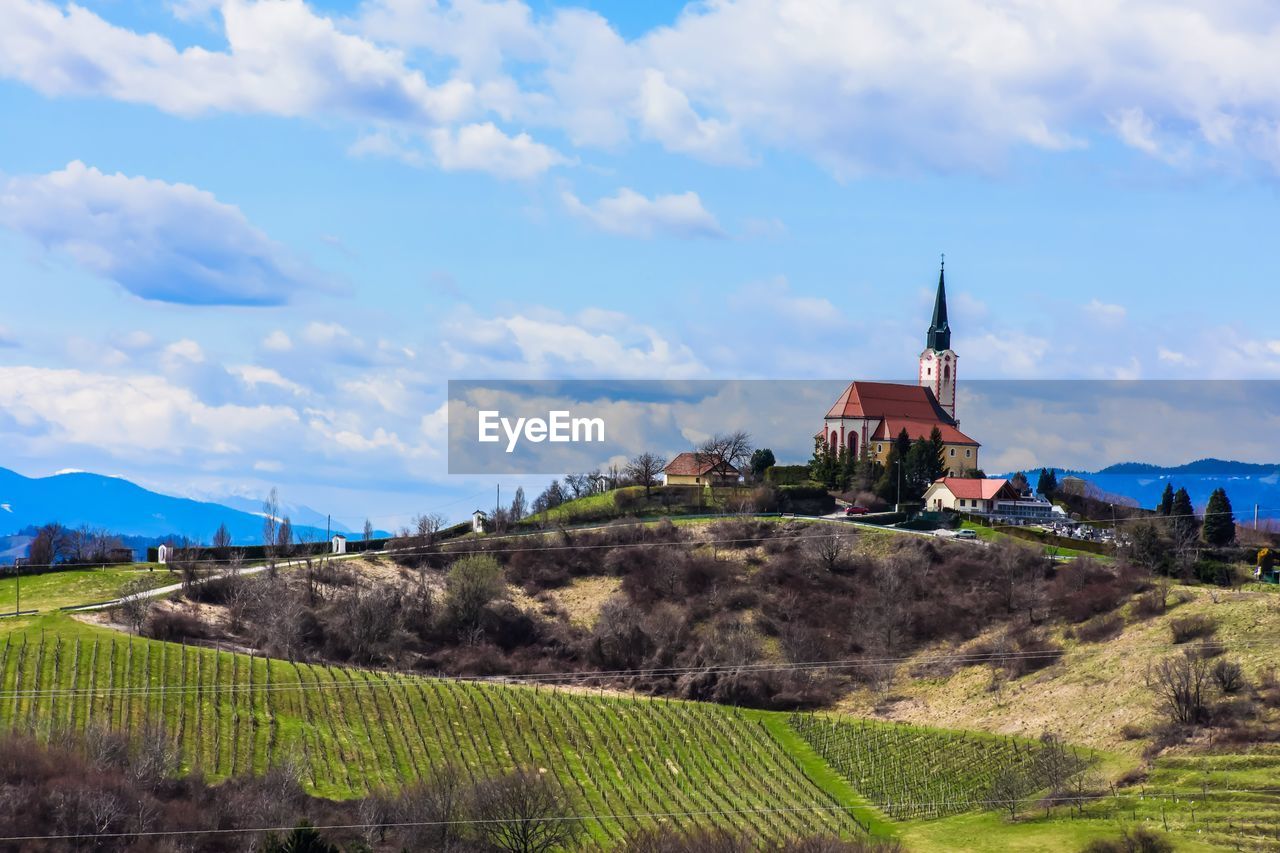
(174, 587)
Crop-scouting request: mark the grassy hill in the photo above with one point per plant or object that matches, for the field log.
(52, 590)
(355, 731)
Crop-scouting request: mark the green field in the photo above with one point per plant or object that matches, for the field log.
(52, 590)
(914, 772)
(629, 761)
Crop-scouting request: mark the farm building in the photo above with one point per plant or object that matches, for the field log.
(689, 469)
(969, 494)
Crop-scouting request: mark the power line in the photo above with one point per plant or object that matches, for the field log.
(438, 547)
(394, 678)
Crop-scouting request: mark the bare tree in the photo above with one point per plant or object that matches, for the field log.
(519, 506)
(1181, 684)
(270, 522)
(50, 545)
(368, 531)
(284, 537)
(134, 603)
(828, 547)
(644, 469)
(725, 450)
(222, 541)
(1007, 788)
(523, 812)
(427, 527)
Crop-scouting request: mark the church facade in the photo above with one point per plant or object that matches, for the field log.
(868, 416)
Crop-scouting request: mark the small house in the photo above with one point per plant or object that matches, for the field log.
(692, 469)
(478, 521)
(338, 544)
(968, 494)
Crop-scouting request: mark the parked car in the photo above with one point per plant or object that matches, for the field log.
(856, 510)
(966, 534)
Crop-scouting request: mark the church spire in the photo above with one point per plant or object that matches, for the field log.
(939, 337)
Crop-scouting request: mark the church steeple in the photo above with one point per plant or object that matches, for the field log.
(939, 337)
(938, 362)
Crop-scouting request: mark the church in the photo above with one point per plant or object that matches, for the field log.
(868, 416)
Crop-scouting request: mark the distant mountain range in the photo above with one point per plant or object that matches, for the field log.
(1247, 483)
(124, 508)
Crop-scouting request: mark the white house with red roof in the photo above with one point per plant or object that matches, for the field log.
(868, 416)
(969, 494)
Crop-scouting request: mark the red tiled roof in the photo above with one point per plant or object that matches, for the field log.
(885, 399)
(889, 428)
(688, 465)
(975, 488)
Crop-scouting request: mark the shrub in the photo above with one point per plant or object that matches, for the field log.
(805, 500)
(1228, 675)
(1136, 840)
(787, 475)
(1193, 627)
(1149, 604)
(1214, 572)
(473, 582)
(173, 626)
(1100, 628)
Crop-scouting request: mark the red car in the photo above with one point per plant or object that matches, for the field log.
(856, 510)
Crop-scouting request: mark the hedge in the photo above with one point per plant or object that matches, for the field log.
(787, 475)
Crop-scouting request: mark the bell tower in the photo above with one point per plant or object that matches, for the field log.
(938, 361)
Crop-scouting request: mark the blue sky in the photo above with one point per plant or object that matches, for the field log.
(246, 244)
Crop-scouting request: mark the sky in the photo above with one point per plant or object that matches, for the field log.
(246, 244)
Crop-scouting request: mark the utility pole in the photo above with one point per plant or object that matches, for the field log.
(1255, 516)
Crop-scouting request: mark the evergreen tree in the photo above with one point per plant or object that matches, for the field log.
(895, 470)
(762, 460)
(937, 456)
(1048, 482)
(915, 471)
(1020, 482)
(822, 465)
(1182, 514)
(1219, 523)
(303, 839)
(1166, 500)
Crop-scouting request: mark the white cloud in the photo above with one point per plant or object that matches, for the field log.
(485, 148)
(254, 375)
(389, 144)
(1105, 312)
(277, 341)
(185, 350)
(549, 344)
(857, 86)
(130, 416)
(1169, 356)
(7, 338)
(630, 213)
(1005, 353)
(667, 116)
(1135, 129)
(281, 58)
(160, 241)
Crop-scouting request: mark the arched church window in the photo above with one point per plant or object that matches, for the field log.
(946, 372)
